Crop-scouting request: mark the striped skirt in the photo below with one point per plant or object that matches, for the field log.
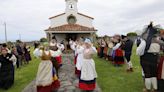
(87, 85)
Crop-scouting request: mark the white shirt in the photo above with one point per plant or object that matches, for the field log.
(141, 48)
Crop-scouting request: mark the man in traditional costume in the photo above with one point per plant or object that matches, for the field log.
(6, 69)
(148, 50)
(46, 80)
(128, 45)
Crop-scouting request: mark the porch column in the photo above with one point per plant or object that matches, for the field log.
(50, 37)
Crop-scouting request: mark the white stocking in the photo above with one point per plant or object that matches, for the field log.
(130, 64)
(154, 82)
(148, 83)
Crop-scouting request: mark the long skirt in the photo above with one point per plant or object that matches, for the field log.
(149, 64)
(101, 52)
(98, 51)
(77, 72)
(59, 60)
(161, 68)
(105, 52)
(46, 79)
(75, 59)
(27, 57)
(87, 85)
(6, 76)
(119, 58)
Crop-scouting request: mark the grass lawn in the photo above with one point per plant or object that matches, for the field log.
(112, 79)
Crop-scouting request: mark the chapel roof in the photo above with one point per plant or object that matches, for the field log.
(71, 27)
(65, 13)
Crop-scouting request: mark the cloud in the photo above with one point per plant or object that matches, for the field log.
(30, 17)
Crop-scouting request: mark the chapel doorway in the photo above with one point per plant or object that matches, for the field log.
(72, 36)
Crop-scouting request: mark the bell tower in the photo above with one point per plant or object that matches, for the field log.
(71, 6)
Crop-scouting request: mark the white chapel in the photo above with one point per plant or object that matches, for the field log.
(70, 24)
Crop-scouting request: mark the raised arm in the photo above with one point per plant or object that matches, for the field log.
(141, 48)
(117, 46)
(37, 52)
(56, 53)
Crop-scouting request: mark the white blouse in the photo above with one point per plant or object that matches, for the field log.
(38, 53)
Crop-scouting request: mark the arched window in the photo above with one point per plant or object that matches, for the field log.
(71, 19)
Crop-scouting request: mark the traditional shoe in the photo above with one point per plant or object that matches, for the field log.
(154, 91)
(127, 70)
(131, 69)
(145, 90)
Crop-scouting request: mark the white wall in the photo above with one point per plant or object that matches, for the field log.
(60, 37)
(62, 20)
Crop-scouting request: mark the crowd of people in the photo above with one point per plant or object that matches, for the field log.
(51, 61)
(117, 49)
(150, 48)
(11, 56)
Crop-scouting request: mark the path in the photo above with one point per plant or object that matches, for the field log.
(67, 77)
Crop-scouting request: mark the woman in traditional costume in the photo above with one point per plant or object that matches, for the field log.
(109, 52)
(119, 56)
(106, 52)
(27, 53)
(161, 74)
(102, 46)
(87, 79)
(46, 80)
(78, 48)
(7, 62)
(161, 67)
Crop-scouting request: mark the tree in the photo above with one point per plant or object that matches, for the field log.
(132, 34)
(43, 39)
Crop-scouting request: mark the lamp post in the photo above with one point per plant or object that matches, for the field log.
(5, 32)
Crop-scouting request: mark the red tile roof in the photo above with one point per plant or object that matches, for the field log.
(71, 27)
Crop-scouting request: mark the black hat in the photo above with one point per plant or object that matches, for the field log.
(123, 36)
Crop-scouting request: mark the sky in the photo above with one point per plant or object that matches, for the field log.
(27, 19)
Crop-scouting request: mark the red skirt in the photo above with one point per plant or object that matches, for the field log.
(77, 72)
(119, 57)
(160, 67)
(75, 59)
(59, 59)
(54, 86)
(98, 51)
(87, 85)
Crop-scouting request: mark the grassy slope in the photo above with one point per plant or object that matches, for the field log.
(112, 79)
